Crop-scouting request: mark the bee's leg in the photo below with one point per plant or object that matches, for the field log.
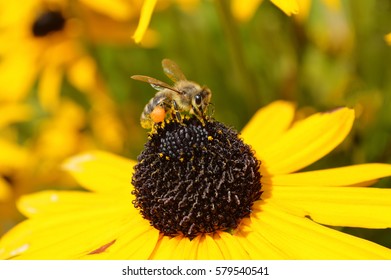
(199, 114)
(201, 118)
(176, 112)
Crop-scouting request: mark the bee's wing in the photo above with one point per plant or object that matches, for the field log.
(155, 83)
(172, 70)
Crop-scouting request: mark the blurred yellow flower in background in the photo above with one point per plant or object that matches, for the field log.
(44, 45)
(36, 39)
(44, 40)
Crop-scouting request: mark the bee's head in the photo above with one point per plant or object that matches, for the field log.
(201, 100)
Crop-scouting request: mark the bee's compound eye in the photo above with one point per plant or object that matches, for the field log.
(198, 99)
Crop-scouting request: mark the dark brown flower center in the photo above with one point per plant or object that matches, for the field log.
(48, 22)
(193, 178)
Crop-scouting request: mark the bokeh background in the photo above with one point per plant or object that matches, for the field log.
(65, 86)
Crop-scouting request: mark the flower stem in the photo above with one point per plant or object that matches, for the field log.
(247, 80)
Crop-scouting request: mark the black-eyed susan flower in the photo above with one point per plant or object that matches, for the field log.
(205, 192)
(44, 43)
(36, 40)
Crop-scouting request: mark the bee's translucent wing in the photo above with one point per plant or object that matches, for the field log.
(172, 70)
(156, 84)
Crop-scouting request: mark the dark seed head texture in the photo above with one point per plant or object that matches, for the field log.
(195, 178)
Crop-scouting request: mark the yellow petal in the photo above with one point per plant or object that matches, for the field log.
(204, 246)
(220, 245)
(49, 87)
(256, 245)
(308, 141)
(176, 248)
(66, 235)
(18, 70)
(101, 172)
(187, 249)
(170, 248)
(301, 238)
(268, 124)
(145, 17)
(289, 7)
(230, 246)
(135, 242)
(12, 12)
(57, 202)
(191, 252)
(344, 206)
(244, 10)
(304, 8)
(117, 9)
(208, 249)
(333, 177)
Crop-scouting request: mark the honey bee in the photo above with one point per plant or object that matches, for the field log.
(183, 97)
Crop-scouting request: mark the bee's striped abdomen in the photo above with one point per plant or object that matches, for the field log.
(159, 100)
